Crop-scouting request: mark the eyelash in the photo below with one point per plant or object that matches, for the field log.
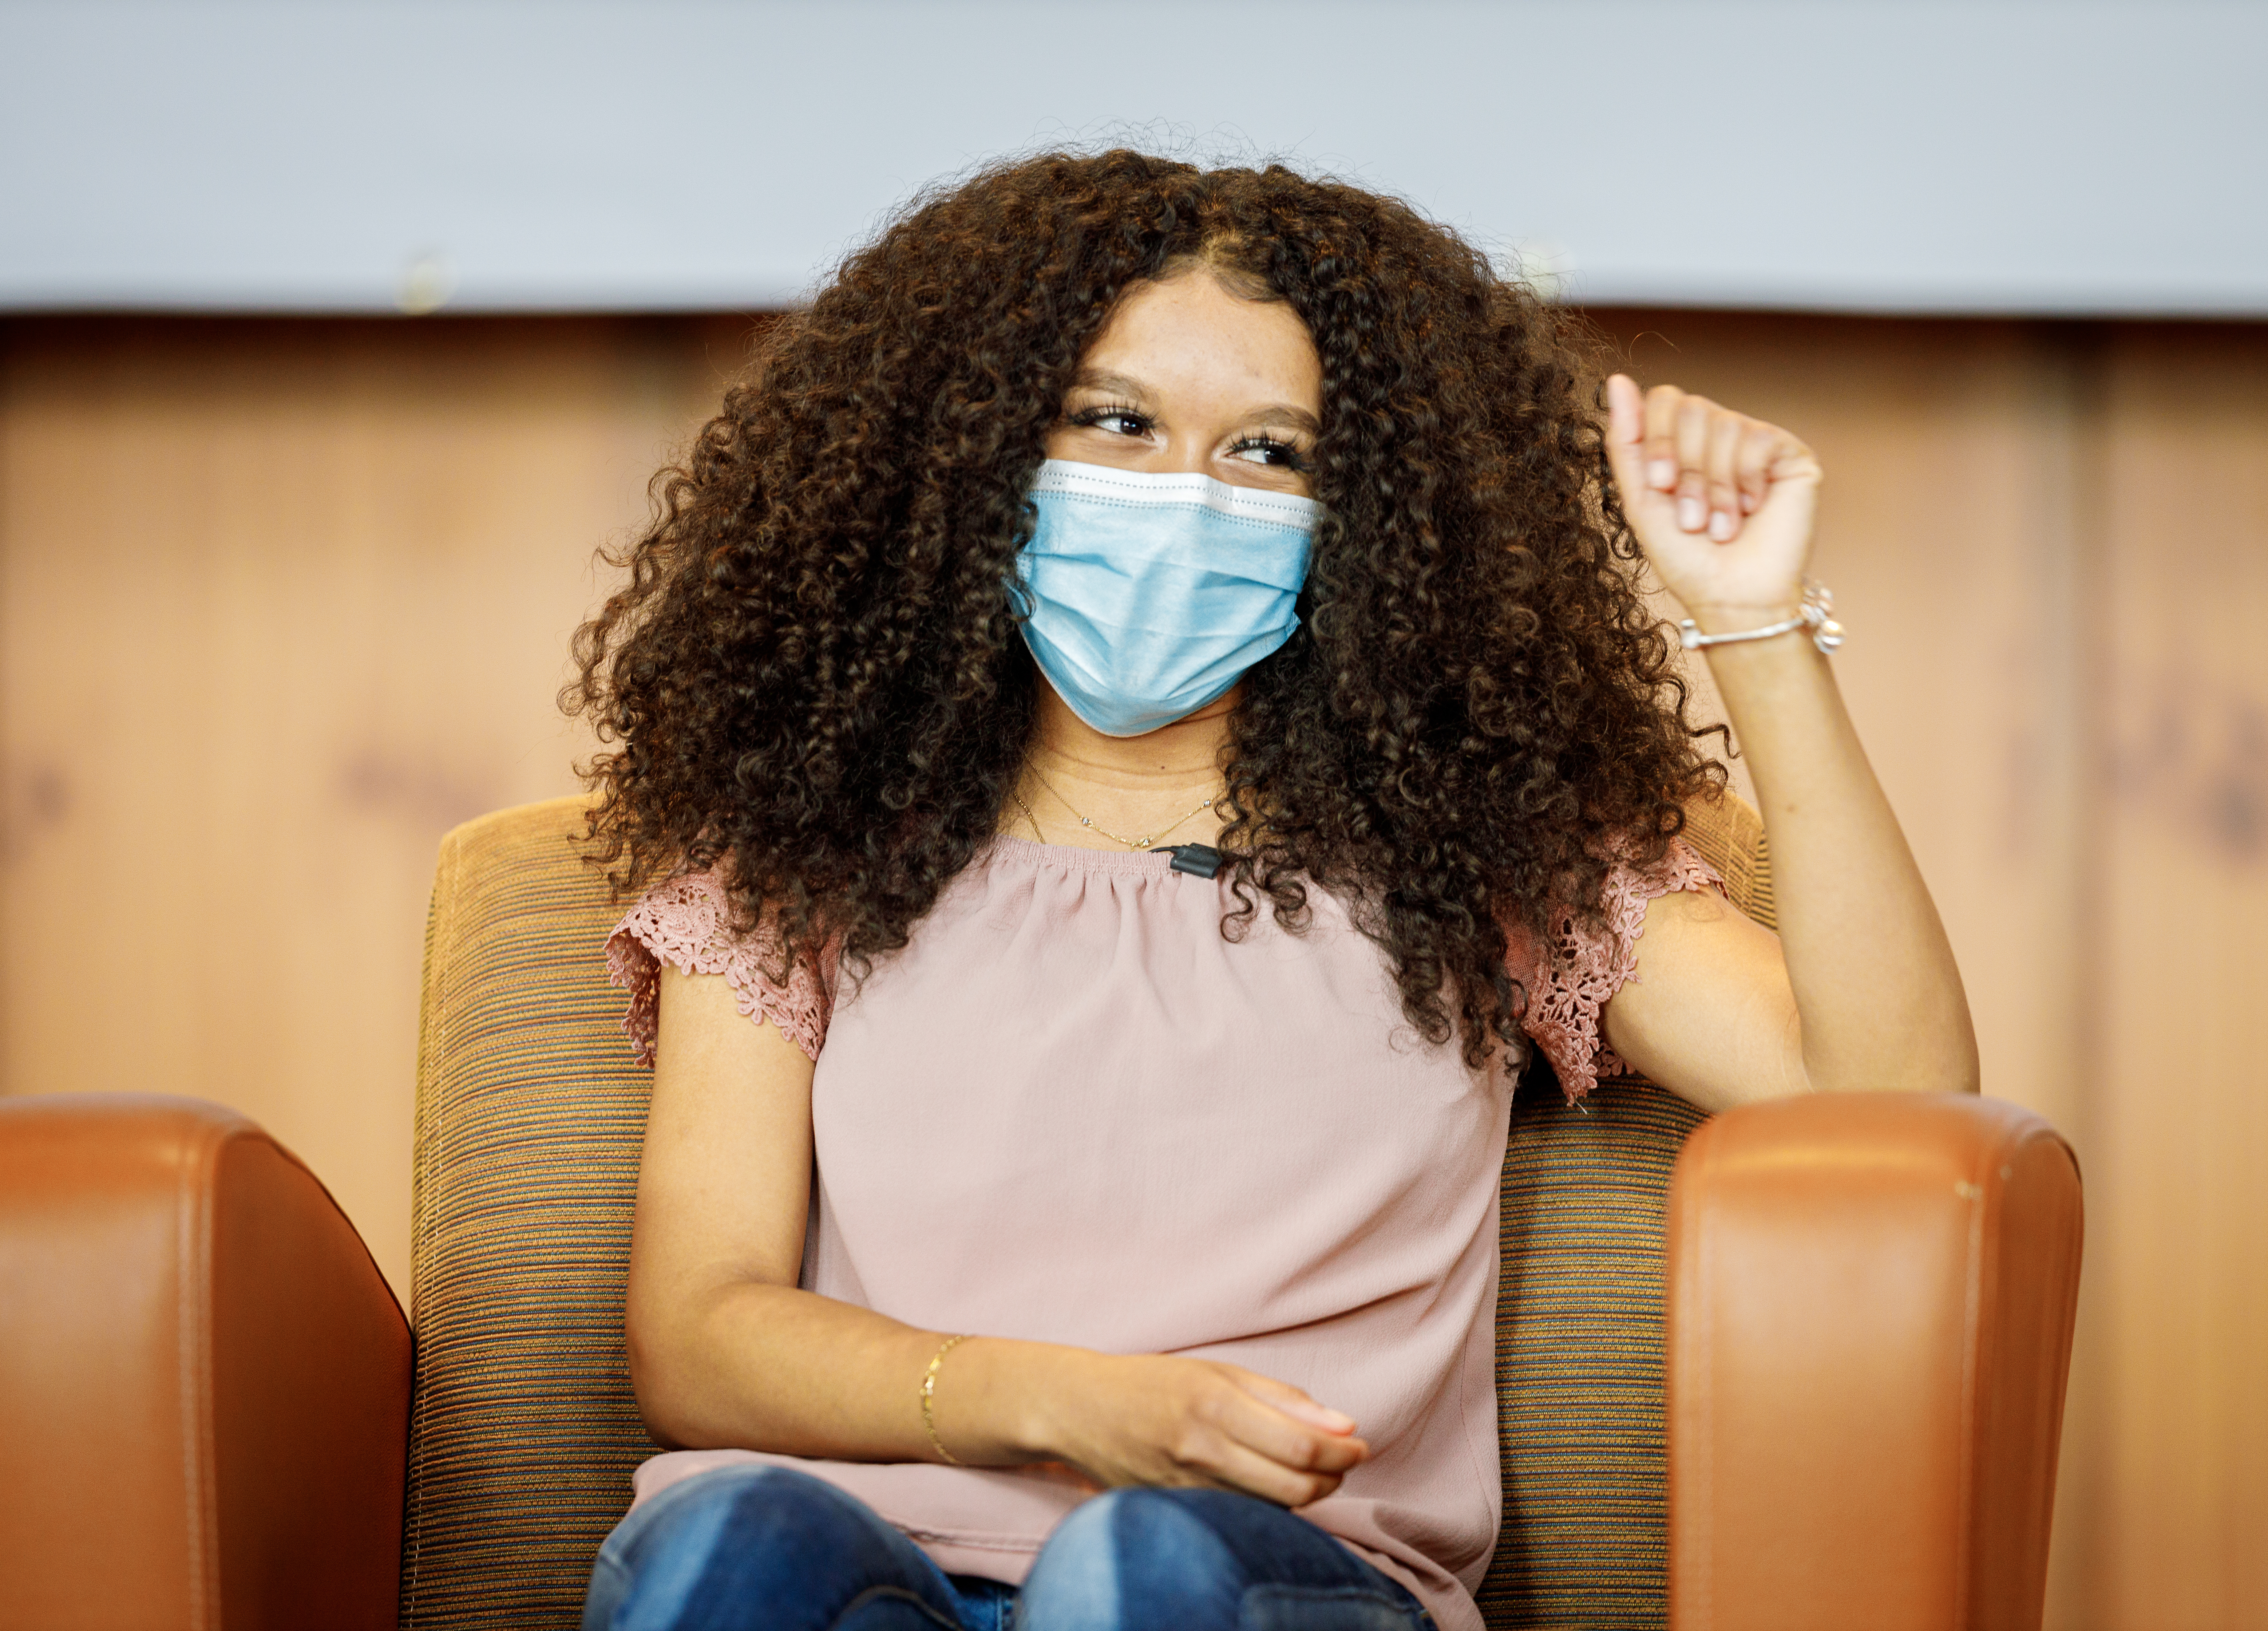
(1290, 458)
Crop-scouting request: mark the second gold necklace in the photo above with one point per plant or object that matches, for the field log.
(1142, 843)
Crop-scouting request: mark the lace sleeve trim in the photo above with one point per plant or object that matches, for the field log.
(1587, 967)
(687, 922)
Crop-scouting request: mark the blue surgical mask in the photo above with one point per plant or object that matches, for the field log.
(1146, 597)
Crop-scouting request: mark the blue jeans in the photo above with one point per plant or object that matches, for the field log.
(768, 1549)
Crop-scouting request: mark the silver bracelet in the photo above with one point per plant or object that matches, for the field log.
(1816, 614)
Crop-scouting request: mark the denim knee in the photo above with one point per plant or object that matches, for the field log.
(1127, 1546)
(1203, 1559)
(761, 1546)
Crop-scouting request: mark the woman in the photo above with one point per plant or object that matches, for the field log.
(1103, 507)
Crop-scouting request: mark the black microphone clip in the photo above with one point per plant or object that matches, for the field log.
(1200, 861)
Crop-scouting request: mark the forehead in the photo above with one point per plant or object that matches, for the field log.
(1190, 333)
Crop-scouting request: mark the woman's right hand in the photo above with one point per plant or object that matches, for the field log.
(1157, 1418)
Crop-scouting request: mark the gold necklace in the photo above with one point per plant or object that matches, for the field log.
(1143, 842)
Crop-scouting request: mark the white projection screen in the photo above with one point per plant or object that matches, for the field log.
(1861, 155)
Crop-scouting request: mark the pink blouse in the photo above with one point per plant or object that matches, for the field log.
(1069, 1110)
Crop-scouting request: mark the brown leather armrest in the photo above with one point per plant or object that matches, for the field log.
(1871, 1300)
(204, 1382)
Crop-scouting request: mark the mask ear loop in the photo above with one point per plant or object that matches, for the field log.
(1019, 598)
(1303, 604)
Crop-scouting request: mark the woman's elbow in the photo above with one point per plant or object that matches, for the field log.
(1951, 1065)
(661, 1345)
(649, 1374)
(1924, 1053)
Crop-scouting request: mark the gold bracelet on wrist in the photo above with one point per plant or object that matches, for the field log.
(929, 1392)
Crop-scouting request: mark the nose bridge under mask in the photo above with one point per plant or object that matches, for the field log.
(1146, 596)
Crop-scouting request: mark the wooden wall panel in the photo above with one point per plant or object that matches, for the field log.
(280, 603)
(2178, 1161)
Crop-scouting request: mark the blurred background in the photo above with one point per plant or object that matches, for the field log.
(334, 338)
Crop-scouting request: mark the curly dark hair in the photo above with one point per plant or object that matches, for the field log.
(815, 673)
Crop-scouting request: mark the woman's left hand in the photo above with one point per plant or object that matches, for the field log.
(1721, 503)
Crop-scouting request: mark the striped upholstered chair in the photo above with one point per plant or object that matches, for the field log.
(1820, 1385)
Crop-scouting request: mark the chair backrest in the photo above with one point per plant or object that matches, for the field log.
(523, 1430)
(1582, 1432)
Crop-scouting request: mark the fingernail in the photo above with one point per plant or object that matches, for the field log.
(1691, 514)
(1720, 526)
(1662, 474)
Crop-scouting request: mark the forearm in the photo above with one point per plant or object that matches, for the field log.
(1876, 990)
(762, 1367)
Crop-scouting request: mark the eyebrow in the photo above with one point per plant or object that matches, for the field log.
(1134, 390)
(1117, 384)
(1284, 413)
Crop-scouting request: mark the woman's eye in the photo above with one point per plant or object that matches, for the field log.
(1116, 421)
(1266, 450)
